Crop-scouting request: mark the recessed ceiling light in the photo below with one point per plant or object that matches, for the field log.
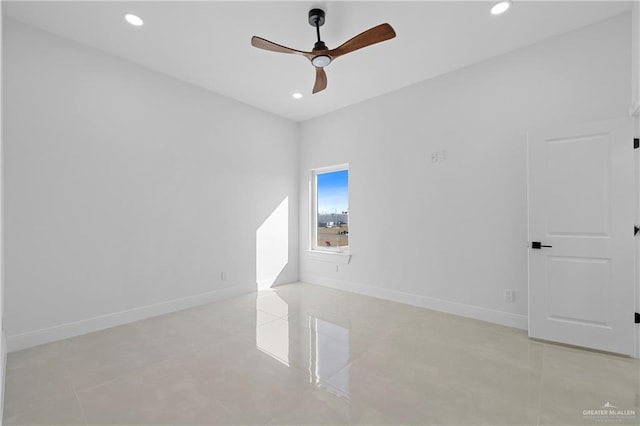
(134, 20)
(500, 7)
(297, 96)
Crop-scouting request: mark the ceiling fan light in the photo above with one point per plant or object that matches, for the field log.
(500, 7)
(321, 61)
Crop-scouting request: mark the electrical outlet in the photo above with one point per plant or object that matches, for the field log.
(223, 276)
(438, 156)
(509, 296)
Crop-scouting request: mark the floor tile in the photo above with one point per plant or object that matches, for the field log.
(302, 354)
(576, 381)
(255, 390)
(323, 407)
(105, 355)
(164, 393)
(39, 393)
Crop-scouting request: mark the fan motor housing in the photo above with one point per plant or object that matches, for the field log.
(316, 17)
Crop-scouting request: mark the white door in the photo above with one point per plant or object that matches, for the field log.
(581, 287)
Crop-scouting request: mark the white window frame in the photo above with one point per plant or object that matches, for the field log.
(341, 254)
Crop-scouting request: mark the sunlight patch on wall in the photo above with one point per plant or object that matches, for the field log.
(272, 246)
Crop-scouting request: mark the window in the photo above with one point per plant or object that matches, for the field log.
(330, 209)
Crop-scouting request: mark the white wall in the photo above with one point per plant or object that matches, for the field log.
(453, 235)
(128, 192)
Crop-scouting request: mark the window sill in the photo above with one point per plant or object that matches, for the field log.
(330, 256)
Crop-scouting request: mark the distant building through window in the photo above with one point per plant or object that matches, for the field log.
(330, 215)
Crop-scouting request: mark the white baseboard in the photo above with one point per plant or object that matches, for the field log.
(3, 360)
(497, 317)
(21, 341)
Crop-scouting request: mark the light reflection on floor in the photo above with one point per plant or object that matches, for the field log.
(325, 357)
(327, 343)
(274, 341)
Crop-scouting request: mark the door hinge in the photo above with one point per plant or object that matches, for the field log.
(636, 143)
(637, 319)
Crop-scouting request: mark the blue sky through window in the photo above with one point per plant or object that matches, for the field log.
(333, 192)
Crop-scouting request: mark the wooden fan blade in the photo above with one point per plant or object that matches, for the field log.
(321, 80)
(373, 35)
(262, 43)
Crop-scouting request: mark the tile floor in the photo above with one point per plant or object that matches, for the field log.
(304, 354)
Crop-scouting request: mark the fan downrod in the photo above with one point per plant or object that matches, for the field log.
(316, 19)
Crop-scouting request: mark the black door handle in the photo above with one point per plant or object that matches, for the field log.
(538, 245)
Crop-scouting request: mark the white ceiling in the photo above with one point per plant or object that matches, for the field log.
(207, 43)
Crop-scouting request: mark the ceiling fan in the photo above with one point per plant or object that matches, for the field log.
(321, 56)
